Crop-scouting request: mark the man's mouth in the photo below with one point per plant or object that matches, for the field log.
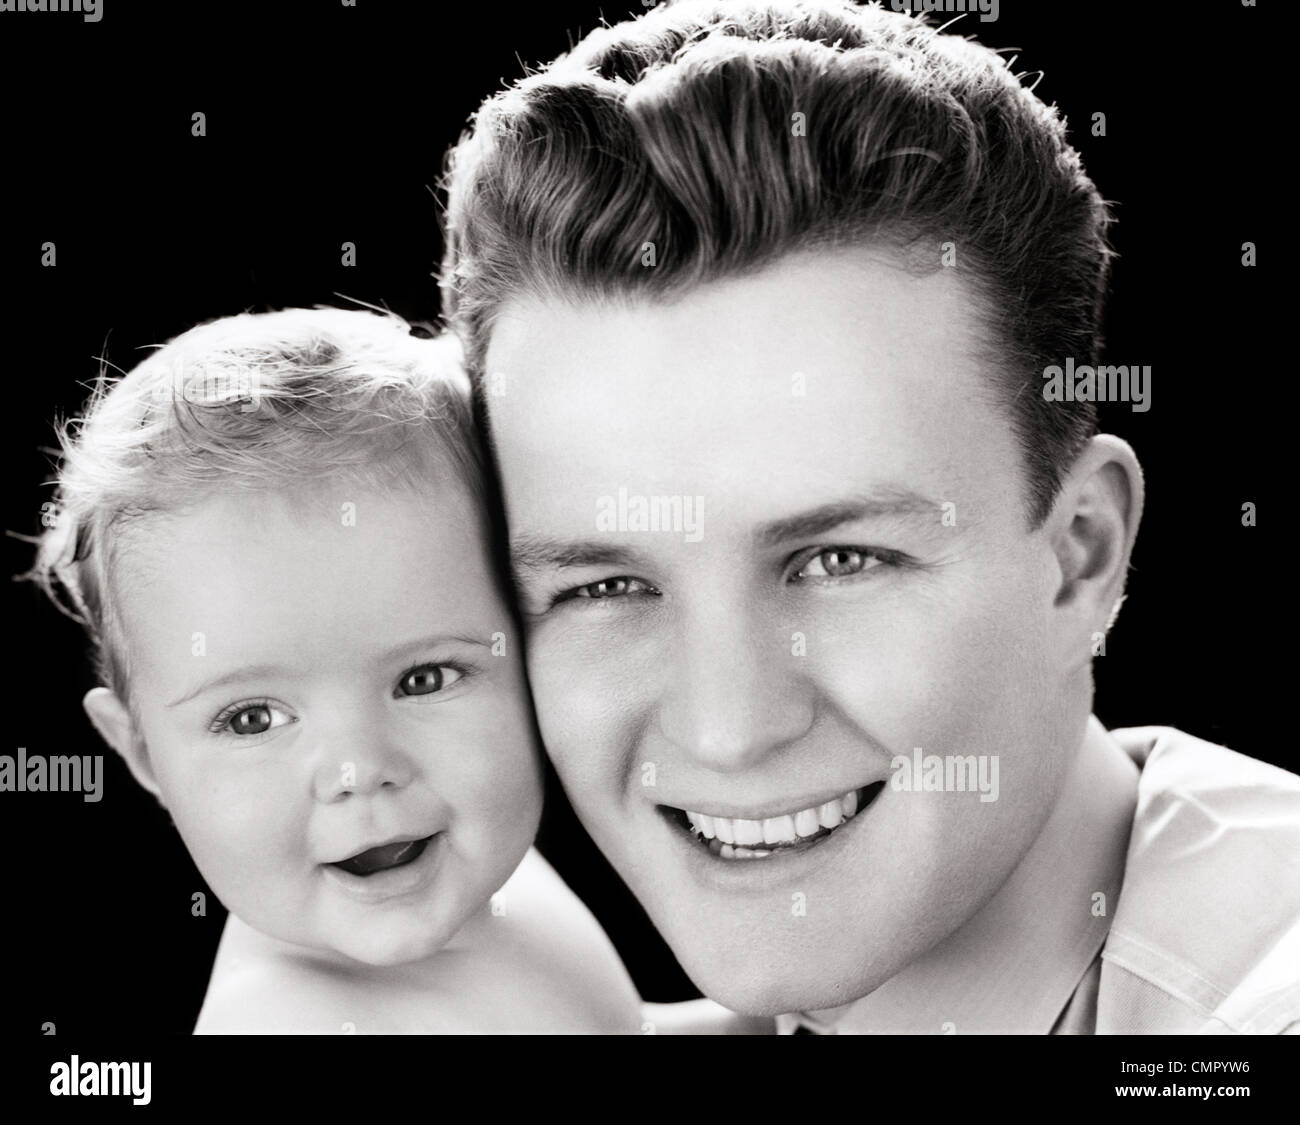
(740, 838)
(384, 857)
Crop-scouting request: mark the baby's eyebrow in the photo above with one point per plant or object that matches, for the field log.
(254, 672)
(424, 644)
(267, 671)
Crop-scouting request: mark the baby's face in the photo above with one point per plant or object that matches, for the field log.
(329, 688)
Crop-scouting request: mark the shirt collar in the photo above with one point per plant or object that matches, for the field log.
(1014, 966)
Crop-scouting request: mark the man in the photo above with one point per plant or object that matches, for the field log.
(762, 300)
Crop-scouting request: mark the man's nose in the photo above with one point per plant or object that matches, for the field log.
(358, 756)
(734, 692)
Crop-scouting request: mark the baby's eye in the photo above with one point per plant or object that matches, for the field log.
(427, 679)
(252, 718)
(839, 562)
(613, 588)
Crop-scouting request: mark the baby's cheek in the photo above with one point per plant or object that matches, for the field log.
(494, 772)
(243, 832)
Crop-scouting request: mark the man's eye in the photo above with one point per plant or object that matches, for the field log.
(251, 718)
(612, 588)
(839, 562)
(427, 679)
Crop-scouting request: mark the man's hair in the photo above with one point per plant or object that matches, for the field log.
(256, 402)
(728, 134)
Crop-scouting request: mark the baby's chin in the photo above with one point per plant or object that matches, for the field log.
(384, 950)
(452, 919)
(354, 939)
(387, 942)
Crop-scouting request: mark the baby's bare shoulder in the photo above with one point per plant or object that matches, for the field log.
(286, 995)
(256, 992)
(270, 996)
(559, 942)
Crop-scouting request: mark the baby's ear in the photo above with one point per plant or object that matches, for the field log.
(112, 718)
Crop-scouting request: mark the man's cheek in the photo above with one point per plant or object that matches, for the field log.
(979, 640)
(578, 707)
(893, 688)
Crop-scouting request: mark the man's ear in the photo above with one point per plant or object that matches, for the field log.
(112, 718)
(1093, 526)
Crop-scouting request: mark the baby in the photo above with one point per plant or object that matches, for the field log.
(277, 529)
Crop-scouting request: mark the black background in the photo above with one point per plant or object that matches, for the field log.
(328, 124)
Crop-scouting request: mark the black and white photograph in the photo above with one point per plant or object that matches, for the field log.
(745, 518)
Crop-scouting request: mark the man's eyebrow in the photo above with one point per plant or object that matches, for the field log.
(531, 553)
(894, 503)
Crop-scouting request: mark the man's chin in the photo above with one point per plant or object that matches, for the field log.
(766, 987)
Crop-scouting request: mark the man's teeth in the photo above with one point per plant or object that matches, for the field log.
(744, 835)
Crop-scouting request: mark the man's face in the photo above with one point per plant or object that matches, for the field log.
(769, 537)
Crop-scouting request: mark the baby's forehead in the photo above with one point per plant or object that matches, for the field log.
(141, 541)
(307, 507)
(329, 567)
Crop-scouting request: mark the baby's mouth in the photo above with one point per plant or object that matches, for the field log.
(736, 838)
(383, 858)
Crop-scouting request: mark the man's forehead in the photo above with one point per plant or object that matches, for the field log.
(811, 383)
(762, 457)
(810, 332)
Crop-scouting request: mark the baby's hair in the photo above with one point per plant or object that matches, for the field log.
(257, 401)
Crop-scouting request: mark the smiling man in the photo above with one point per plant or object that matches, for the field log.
(797, 269)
